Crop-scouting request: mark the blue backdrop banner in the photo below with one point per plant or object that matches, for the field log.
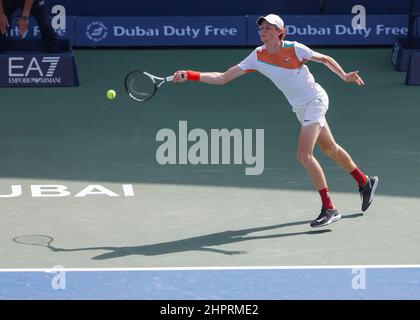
(319, 30)
(337, 30)
(161, 31)
(34, 32)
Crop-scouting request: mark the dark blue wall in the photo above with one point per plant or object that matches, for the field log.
(227, 7)
(186, 7)
(372, 6)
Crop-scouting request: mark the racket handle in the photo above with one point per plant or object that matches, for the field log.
(169, 79)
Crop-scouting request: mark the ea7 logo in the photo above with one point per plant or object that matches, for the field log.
(36, 67)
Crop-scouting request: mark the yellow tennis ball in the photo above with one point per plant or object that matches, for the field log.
(111, 94)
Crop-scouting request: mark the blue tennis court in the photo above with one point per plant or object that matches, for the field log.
(268, 283)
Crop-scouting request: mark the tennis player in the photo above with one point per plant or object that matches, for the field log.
(284, 63)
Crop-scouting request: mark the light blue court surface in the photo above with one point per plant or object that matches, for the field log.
(357, 283)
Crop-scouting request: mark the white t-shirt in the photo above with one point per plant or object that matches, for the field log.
(287, 71)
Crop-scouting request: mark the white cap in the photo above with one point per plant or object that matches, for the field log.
(273, 19)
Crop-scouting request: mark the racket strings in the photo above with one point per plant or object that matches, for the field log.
(140, 86)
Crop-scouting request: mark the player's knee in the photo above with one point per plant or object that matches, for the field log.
(305, 157)
(329, 149)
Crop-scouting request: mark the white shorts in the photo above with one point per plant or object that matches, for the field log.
(314, 111)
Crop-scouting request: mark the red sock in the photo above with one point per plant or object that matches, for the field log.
(359, 176)
(326, 199)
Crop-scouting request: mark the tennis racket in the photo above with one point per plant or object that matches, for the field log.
(142, 86)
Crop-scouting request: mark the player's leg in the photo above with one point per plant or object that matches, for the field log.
(3, 42)
(8, 7)
(367, 185)
(40, 13)
(328, 146)
(307, 139)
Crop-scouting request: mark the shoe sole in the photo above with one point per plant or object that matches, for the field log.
(375, 185)
(338, 217)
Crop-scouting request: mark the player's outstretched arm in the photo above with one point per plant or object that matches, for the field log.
(208, 77)
(336, 68)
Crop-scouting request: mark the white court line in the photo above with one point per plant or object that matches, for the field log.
(54, 269)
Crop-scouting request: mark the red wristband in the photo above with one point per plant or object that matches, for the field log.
(193, 75)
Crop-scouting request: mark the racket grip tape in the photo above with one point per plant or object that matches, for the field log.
(193, 75)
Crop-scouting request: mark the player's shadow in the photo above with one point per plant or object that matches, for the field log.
(201, 243)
